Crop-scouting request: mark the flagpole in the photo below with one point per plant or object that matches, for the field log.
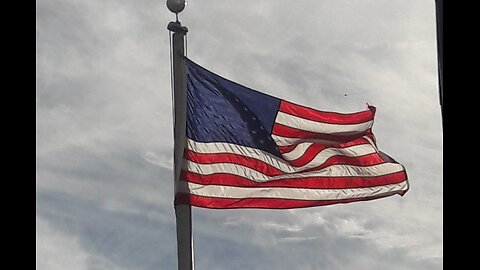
(439, 17)
(183, 212)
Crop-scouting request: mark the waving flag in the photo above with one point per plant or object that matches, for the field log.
(246, 149)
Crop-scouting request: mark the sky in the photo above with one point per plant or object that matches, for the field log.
(104, 130)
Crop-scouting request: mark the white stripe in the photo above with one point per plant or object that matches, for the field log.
(371, 143)
(256, 176)
(325, 154)
(230, 148)
(218, 191)
(298, 151)
(286, 141)
(319, 127)
(320, 158)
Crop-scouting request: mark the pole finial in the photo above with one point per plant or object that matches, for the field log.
(176, 6)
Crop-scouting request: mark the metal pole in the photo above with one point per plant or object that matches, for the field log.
(182, 212)
(439, 16)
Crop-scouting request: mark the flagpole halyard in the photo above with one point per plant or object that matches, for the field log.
(182, 211)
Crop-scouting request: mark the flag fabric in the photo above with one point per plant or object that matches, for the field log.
(247, 149)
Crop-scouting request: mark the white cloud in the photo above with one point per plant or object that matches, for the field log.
(58, 251)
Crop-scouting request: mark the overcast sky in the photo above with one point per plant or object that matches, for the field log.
(104, 188)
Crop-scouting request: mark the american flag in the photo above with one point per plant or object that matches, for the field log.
(247, 149)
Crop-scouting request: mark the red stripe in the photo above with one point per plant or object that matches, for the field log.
(370, 135)
(269, 170)
(286, 149)
(313, 150)
(365, 160)
(285, 131)
(225, 179)
(253, 163)
(327, 117)
(320, 147)
(269, 203)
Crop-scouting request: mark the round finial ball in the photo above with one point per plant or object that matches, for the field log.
(176, 6)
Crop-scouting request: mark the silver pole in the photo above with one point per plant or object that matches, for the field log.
(183, 213)
(439, 16)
